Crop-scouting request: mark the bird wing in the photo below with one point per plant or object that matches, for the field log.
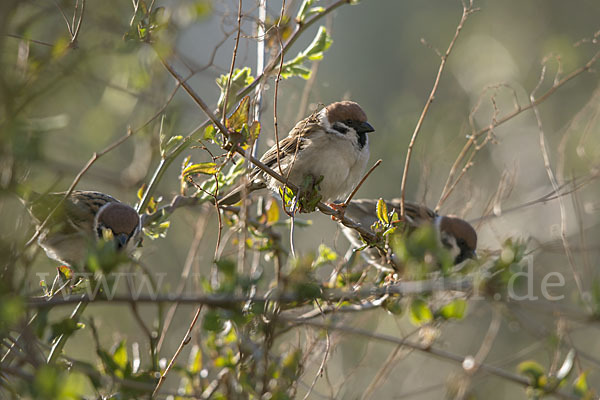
(75, 213)
(294, 142)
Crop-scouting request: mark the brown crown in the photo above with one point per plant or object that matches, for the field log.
(460, 229)
(345, 110)
(119, 217)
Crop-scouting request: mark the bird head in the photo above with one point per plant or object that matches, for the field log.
(120, 223)
(346, 118)
(458, 236)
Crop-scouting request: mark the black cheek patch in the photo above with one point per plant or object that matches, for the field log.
(362, 139)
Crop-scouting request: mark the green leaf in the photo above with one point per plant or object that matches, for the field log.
(454, 310)
(65, 327)
(326, 255)
(239, 80)
(165, 148)
(580, 386)
(532, 369)
(272, 212)
(393, 306)
(195, 364)
(226, 266)
(420, 313)
(314, 51)
(239, 118)
(207, 168)
(212, 321)
(319, 45)
(382, 212)
(120, 355)
(302, 10)
(209, 133)
(305, 11)
(254, 130)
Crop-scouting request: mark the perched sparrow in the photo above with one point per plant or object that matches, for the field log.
(82, 218)
(455, 234)
(332, 143)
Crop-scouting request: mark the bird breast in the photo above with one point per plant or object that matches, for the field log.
(335, 157)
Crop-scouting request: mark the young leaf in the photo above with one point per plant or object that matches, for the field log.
(455, 309)
(239, 118)
(209, 133)
(239, 80)
(326, 255)
(580, 386)
(272, 212)
(173, 141)
(532, 369)
(420, 313)
(207, 168)
(120, 355)
(254, 130)
(382, 212)
(314, 51)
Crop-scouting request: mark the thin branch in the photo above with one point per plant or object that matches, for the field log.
(227, 300)
(364, 178)
(450, 182)
(440, 353)
(467, 10)
(555, 186)
(186, 339)
(233, 58)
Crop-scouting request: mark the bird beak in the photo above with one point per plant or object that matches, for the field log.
(121, 240)
(365, 127)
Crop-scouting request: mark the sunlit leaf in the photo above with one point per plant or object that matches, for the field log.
(382, 212)
(580, 386)
(532, 369)
(419, 312)
(239, 80)
(209, 133)
(65, 271)
(454, 310)
(272, 212)
(239, 118)
(314, 51)
(195, 364)
(173, 142)
(254, 130)
(325, 256)
(120, 355)
(207, 168)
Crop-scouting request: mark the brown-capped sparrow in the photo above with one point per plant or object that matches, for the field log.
(455, 234)
(331, 143)
(83, 218)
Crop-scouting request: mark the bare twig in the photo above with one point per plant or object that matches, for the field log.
(555, 186)
(472, 140)
(467, 10)
(189, 261)
(364, 178)
(440, 353)
(184, 341)
(233, 58)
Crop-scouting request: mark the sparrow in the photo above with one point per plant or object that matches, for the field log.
(83, 218)
(332, 144)
(455, 234)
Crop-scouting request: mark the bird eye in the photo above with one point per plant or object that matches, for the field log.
(348, 122)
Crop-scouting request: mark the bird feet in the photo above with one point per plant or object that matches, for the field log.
(340, 208)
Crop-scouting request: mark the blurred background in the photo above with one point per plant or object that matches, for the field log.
(60, 105)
